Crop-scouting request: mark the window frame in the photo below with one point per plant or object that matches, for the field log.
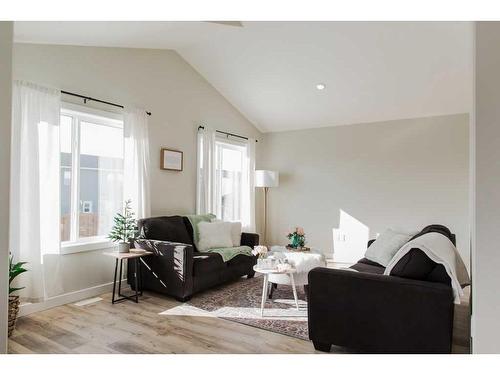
(235, 145)
(80, 114)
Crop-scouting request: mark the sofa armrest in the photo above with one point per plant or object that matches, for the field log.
(249, 239)
(379, 313)
(170, 268)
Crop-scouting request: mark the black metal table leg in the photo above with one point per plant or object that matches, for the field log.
(136, 277)
(140, 276)
(120, 279)
(114, 282)
(137, 282)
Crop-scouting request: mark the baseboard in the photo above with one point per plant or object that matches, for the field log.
(63, 299)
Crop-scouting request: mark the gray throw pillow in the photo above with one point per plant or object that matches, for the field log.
(386, 246)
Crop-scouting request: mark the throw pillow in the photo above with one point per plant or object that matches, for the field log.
(195, 220)
(386, 246)
(214, 235)
(235, 231)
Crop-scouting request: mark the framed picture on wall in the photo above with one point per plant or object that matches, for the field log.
(171, 160)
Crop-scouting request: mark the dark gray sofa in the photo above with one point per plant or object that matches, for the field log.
(177, 268)
(409, 311)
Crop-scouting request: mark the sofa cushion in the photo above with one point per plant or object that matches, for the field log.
(236, 233)
(438, 229)
(368, 268)
(417, 265)
(165, 228)
(241, 260)
(206, 263)
(386, 246)
(194, 220)
(214, 235)
(369, 262)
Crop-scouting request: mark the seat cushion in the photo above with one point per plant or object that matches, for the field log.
(242, 260)
(207, 263)
(371, 267)
(165, 228)
(369, 262)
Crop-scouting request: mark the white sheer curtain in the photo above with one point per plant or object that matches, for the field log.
(34, 199)
(136, 169)
(205, 183)
(248, 204)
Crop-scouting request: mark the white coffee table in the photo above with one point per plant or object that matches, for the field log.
(266, 272)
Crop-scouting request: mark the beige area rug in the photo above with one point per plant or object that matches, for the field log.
(239, 301)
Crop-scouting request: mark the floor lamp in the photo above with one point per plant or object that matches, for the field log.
(266, 179)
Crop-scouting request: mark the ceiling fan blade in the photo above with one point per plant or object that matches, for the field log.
(228, 23)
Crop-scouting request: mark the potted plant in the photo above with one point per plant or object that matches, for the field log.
(124, 228)
(297, 238)
(15, 269)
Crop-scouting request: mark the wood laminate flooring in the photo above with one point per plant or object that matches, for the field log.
(100, 327)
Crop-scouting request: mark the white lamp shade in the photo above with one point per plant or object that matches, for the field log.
(266, 178)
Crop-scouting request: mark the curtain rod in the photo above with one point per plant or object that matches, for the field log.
(85, 98)
(228, 134)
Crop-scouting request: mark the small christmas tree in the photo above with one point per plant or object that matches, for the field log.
(125, 226)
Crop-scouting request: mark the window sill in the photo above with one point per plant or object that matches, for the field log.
(72, 248)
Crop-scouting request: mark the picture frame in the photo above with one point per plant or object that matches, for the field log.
(171, 160)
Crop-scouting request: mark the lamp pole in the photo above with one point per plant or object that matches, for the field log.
(266, 179)
(265, 215)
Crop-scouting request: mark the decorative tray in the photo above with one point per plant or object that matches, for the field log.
(298, 249)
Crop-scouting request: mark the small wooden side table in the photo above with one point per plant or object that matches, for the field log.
(119, 258)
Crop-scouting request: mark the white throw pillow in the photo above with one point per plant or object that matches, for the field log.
(235, 231)
(214, 235)
(386, 246)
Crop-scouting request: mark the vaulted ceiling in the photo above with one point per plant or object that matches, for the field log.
(373, 71)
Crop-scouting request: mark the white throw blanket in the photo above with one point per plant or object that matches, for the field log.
(441, 250)
(301, 261)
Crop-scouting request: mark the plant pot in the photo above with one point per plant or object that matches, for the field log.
(13, 311)
(123, 247)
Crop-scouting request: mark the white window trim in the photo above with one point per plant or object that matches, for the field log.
(99, 117)
(99, 243)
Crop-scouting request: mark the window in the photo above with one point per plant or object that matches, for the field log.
(91, 145)
(230, 159)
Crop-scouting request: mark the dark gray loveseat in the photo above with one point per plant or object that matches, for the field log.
(177, 268)
(409, 311)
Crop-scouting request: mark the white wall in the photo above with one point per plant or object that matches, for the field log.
(158, 80)
(401, 174)
(5, 111)
(486, 239)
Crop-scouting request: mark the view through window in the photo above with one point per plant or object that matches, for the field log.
(230, 159)
(91, 175)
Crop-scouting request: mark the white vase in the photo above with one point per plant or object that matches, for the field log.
(123, 247)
